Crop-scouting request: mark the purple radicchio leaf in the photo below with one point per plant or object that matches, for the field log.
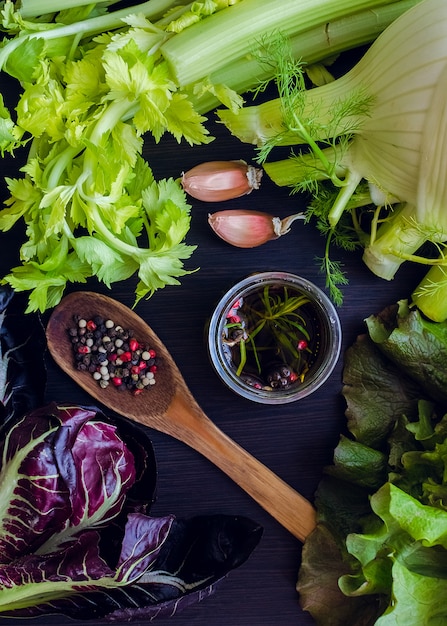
(62, 470)
(97, 468)
(199, 553)
(22, 349)
(39, 581)
(33, 505)
(191, 561)
(143, 540)
(77, 566)
(141, 495)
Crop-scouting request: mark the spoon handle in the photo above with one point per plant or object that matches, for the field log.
(287, 506)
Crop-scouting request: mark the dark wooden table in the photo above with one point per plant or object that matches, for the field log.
(294, 440)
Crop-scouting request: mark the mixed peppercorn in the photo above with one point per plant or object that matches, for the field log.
(112, 354)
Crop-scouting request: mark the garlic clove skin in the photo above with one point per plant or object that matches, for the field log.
(217, 181)
(249, 229)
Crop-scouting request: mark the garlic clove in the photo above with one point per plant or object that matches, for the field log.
(216, 181)
(249, 229)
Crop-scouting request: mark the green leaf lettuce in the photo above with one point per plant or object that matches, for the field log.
(379, 552)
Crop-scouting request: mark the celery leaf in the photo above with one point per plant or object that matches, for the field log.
(46, 288)
(159, 270)
(184, 122)
(22, 61)
(24, 197)
(89, 202)
(107, 264)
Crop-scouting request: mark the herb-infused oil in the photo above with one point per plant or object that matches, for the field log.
(274, 338)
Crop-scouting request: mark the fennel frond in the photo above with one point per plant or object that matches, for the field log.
(335, 276)
(303, 124)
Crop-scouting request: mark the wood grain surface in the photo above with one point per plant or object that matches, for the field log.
(296, 440)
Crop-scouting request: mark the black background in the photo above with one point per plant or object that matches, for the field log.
(294, 440)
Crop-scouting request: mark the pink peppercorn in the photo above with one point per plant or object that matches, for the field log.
(134, 345)
(234, 319)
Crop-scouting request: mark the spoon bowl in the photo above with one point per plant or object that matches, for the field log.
(169, 407)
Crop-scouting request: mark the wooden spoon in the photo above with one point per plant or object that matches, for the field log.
(169, 407)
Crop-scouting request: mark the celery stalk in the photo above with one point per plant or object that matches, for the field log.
(109, 21)
(194, 52)
(34, 8)
(82, 29)
(323, 41)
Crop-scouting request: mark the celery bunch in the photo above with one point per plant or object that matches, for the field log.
(94, 81)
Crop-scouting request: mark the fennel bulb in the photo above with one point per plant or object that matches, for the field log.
(380, 128)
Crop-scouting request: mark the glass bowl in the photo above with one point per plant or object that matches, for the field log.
(274, 338)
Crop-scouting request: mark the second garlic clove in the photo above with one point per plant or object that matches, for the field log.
(249, 229)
